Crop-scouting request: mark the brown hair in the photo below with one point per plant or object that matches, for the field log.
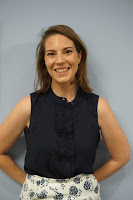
(44, 79)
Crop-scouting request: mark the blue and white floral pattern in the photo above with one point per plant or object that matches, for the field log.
(80, 187)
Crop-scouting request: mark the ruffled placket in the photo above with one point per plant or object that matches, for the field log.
(64, 127)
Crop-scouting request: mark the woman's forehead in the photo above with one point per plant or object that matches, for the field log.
(58, 41)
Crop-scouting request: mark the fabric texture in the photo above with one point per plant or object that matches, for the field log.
(80, 187)
(63, 136)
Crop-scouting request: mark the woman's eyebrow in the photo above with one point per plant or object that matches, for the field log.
(63, 49)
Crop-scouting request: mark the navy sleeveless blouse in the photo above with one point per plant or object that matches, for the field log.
(63, 136)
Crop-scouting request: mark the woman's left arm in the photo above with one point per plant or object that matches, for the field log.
(114, 139)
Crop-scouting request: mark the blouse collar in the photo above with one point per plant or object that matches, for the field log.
(63, 100)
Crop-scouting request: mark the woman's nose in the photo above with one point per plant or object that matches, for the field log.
(59, 58)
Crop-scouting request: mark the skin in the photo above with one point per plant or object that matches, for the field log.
(113, 136)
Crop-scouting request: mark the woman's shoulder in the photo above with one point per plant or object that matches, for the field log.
(104, 109)
(25, 103)
(103, 105)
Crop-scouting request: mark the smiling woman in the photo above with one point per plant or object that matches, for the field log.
(62, 122)
(61, 49)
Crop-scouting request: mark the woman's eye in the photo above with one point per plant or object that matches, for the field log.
(68, 51)
(50, 54)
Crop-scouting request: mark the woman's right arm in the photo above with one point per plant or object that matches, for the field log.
(10, 130)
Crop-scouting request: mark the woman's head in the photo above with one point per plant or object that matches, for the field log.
(61, 59)
(57, 37)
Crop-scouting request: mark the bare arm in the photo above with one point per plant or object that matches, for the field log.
(10, 130)
(115, 141)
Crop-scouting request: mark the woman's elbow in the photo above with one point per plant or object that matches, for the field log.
(126, 157)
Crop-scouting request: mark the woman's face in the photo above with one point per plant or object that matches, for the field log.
(61, 59)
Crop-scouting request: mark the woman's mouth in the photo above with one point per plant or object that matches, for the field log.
(61, 71)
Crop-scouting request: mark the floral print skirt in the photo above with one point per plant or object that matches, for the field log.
(79, 187)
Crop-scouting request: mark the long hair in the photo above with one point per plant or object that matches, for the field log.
(43, 78)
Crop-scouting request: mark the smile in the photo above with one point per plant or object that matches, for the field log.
(62, 70)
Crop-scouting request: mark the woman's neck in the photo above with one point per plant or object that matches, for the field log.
(67, 91)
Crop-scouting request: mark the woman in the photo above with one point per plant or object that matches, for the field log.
(62, 122)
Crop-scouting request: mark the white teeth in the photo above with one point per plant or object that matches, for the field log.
(62, 70)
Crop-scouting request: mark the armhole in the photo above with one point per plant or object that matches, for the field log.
(28, 128)
(97, 111)
(33, 99)
(30, 110)
(95, 100)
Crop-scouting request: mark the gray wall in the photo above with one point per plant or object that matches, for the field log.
(107, 29)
